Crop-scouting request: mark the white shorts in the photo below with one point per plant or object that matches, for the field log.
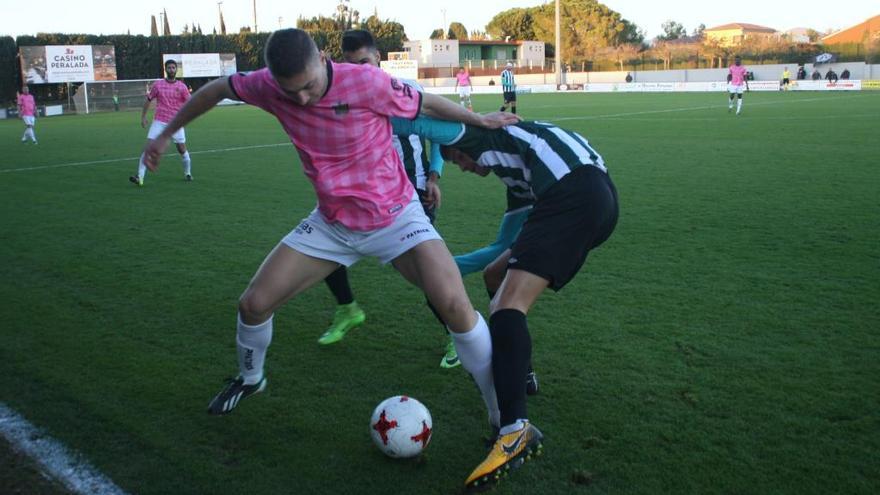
(735, 89)
(335, 242)
(464, 91)
(29, 120)
(157, 127)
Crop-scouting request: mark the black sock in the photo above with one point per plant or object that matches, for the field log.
(513, 110)
(502, 108)
(436, 314)
(511, 355)
(338, 284)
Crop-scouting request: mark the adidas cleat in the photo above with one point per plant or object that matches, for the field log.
(509, 452)
(231, 395)
(531, 383)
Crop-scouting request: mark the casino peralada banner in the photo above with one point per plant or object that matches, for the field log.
(67, 63)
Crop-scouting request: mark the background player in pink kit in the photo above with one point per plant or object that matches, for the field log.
(27, 109)
(337, 116)
(736, 81)
(464, 87)
(170, 94)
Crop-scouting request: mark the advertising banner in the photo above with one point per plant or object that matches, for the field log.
(67, 63)
(401, 69)
(202, 64)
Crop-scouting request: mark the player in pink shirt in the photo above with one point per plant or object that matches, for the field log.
(464, 87)
(170, 95)
(337, 116)
(736, 81)
(27, 109)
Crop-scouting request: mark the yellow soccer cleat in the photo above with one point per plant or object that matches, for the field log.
(509, 452)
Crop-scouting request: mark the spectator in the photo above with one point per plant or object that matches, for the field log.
(801, 73)
(817, 76)
(629, 77)
(491, 82)
(831, 75)
(844, 74)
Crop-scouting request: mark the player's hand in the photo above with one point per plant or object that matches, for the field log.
(497, 120)
(432, 193)
(153, 152)
(144, 122)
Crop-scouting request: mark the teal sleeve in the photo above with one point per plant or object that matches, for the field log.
(436, 159)
(437, 131)
(476, 261)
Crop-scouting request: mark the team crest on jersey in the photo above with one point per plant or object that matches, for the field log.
(404, 88)
(340, 108)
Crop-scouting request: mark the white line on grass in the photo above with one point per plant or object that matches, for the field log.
(134, 158)
(76, 474)
(690, 109)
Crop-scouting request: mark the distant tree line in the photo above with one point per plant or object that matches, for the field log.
(140, 57)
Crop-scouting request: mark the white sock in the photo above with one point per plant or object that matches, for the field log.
(252, 342)
(187, 164)
(142, 168)
(25, 135)
(475, 352)
(515, 426)
(739, 105)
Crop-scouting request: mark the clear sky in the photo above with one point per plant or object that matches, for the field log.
(115, 16)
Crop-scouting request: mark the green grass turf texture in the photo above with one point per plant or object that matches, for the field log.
(724, 340)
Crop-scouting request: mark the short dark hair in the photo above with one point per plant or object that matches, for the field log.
(170, 61)
(289, 51)
(355, 39)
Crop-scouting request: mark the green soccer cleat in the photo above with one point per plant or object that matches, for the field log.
(450, 359)
(347, 316)
(134, 179)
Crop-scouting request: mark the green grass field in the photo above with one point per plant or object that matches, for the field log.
(724, 340)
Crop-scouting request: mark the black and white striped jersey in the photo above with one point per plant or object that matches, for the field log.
(529, 156)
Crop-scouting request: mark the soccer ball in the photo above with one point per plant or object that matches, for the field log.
(401, 427)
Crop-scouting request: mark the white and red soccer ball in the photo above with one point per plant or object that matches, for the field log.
(401, 426)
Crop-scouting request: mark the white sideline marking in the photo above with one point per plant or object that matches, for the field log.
(135, 158)
(76, 474)
(689, 109)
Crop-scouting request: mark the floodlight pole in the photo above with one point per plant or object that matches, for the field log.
(558, 47)
(255, 16)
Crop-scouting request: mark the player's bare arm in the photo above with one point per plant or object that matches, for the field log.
(441, 108)
(144, 112)
(201, 102)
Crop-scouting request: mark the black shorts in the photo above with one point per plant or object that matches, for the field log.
(574, 216)
(509, 96)
(430, 212)
(785, 80)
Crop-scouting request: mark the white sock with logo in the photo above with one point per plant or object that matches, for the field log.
(475, 352)
(142, 168)
(187, 164)
(252, 342)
